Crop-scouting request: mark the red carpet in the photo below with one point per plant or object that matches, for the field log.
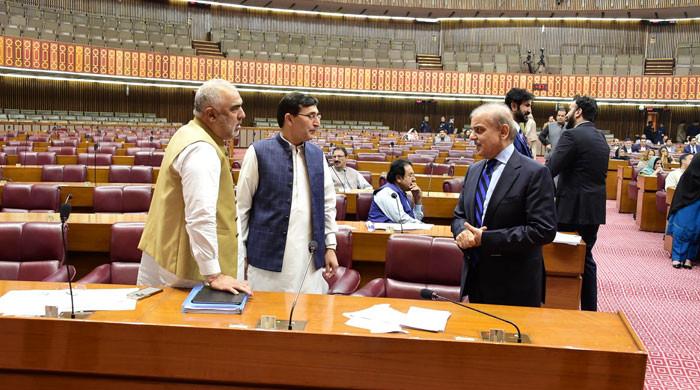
(662, 303)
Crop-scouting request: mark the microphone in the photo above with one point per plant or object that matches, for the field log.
(336, 175)
(64, 212)
(95, 146)
(312, 249)
(398, 205)
(391, 145)
(430, 177)
(427, 293)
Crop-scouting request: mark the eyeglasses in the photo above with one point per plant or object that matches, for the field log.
(312, 116)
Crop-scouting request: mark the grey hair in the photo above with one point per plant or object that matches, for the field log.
(209, 94)
(500, 114)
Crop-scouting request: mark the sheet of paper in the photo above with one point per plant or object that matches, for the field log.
(426, 319)
(347, 227)
(381, 318)
(406, 226)
(568, 239)
(33, 302)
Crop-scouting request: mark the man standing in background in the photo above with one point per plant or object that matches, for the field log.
(520, 103)
(552, 131)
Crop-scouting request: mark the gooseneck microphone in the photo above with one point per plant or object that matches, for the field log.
(430, 177)
(64, 212)
(398, 205)
(312, 249)
(94, 160)
(427, 293)
(332, 167)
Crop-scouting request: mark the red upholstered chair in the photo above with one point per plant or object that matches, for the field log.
(124, 256)
(103, 138)
(459, 161)
(346, 280)
(106, 149)
(23, 198)
(460, 153)
(31, 251)
(453, 185)
(3, 158)
(429, 152)
(144, 143)
(63, 150)
(390, 151)
(37, 158)
(341, 207)
(21, 143)
(632, 187)
(122, 199)
(439, 169)
(420, 158)
(133, 150)
(130, 174)
(236, 165)
(74, 173)
(38, 138)
(90, 159)
(371, 157)
(351, 163)
(364, 201)
(417, 262)
(148, 158)
(15, 150)
(367, 175)
(68, 142)
(661, 193)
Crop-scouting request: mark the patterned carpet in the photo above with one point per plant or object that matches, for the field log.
(662, 303)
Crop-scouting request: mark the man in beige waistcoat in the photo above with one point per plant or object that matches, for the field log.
(190, 232)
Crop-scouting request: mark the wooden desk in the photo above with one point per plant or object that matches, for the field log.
(611, 179)
(563, 263)
(435, 204)
(383, 167)
(649, 219)
(432, 183)
(158, 346)
(32, 173)
(668, 240)
(82, 193)
(624, 177)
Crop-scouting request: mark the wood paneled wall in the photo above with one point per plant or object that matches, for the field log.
(176, 105)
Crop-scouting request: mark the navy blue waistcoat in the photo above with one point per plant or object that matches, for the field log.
(272, 203)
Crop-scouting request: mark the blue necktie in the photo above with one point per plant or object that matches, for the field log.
(481, 189)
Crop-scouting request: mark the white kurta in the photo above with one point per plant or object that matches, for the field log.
(296, 254)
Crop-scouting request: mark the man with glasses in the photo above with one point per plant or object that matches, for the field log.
(344, 177)
(285, 200)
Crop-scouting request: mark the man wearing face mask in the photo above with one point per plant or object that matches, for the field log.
(286, 199)
(581, 162)
(344, 177)
(190, 232)
(520, 103)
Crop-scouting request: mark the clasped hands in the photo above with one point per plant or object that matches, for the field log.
(470, 237)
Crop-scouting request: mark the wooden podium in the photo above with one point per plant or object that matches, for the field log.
(158, 346)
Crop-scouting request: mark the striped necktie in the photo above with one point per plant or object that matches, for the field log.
(481, 189)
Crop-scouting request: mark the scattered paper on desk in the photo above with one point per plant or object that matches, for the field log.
(381, 318)
(568, 239)
(347, 227)
(426, 319)
(33, 302)
(406, 226)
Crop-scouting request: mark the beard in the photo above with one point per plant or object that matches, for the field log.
(519, 116)
(570, 122)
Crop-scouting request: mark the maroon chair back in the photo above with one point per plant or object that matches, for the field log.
(52, 173)
(74, 173)
(133, 150)
(439, 169)
(236, 165)
(90, 159)
(364, 201)
(3, 158)
(63, 150)
(23, 197)
(130, 174)
(459, 161)
(417, 262)
(38, 138)
(37, 158)
(31, 250)
(351, 163)
(137, 199)
(661, 180)
(155, 144)
(341, 207)
(65, 143)
(122, 199)
(107, 149)
(346, 280)
(453, 185)
(367, 175)
(371, 157)
(153, 159)
(124, 252)
(460, 153)
(420, 158)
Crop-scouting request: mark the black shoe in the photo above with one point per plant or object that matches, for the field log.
(688, 264)
(677, 264)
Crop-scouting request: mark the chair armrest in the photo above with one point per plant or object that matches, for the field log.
(101, 274)
(374, 288)
(60, 275)
(346, 282)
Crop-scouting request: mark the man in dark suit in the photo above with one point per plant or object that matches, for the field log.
(581, 161)
(504, 215)
(692, 147)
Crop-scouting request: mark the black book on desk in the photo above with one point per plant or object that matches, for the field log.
(204, 299)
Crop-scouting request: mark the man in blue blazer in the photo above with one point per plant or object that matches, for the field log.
(504, 215)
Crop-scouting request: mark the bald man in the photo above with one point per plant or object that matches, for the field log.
(504, 215)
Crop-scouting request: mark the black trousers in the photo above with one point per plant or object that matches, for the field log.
(589, 285)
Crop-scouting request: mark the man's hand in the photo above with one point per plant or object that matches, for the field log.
(228, 283)
(331, 264)
(470, 237)
(417, 193)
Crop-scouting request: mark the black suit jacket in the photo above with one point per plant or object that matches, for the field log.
(508, 267)
(581, 161)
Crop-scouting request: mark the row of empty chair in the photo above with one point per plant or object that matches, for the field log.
(32, 251)
(149, 158)
(79, 173)
(45, 198)
(80, 116)
(331, 124)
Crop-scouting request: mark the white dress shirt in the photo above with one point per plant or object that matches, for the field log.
(347, 179)
(199, 167)
(673, 178)
(296, 253)
(502, 159)
(392, 208)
